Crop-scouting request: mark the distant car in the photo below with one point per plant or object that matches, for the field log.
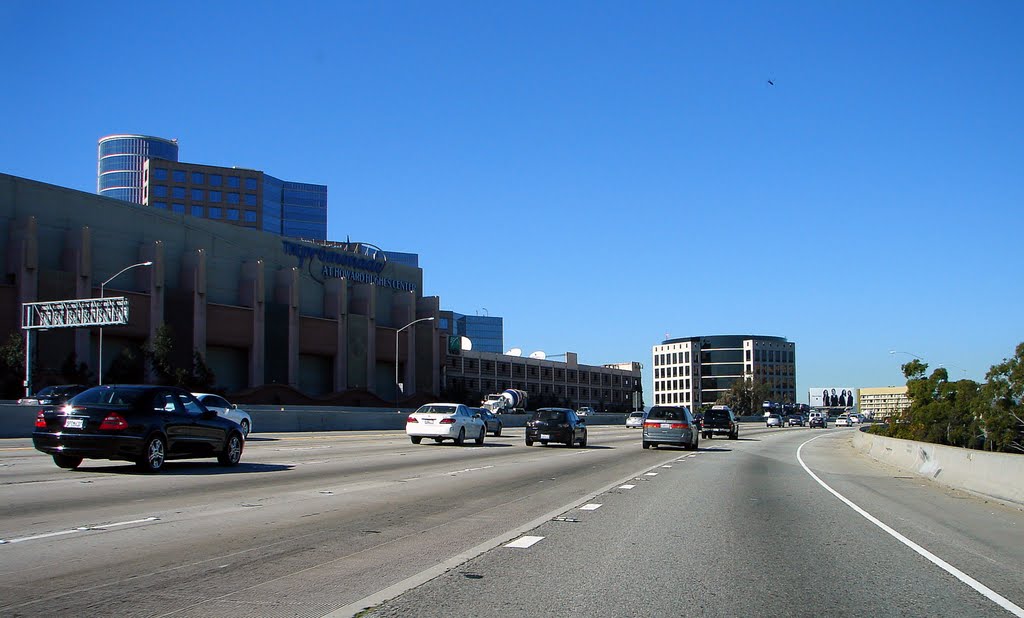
(817, 419)
(720, 420)
(556, 425)
(585, 411)
(794, 420)
(843, 421)
(145, 424)
(856, 419)
(672, 425)
(221, 406)
(53, 395)
(773, 420)
(445, 421)
(491, 421)
(635, 420)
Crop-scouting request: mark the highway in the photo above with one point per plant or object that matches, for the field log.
(329, 524)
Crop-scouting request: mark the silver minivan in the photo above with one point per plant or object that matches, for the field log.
(671, 425)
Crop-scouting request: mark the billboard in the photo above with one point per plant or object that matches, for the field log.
(830, 397)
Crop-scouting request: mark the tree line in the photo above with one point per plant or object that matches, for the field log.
(987, 416)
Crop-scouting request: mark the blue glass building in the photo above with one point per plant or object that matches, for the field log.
(145, 170)
(486, 332)
(121, 160)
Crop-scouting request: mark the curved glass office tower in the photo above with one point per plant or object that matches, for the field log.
(121, 158)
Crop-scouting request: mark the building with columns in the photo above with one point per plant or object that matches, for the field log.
(318, 319)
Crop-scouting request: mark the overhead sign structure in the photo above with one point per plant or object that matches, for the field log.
(77, 313)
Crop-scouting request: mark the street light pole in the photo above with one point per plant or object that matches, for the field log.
(396, 352)
(102, 285)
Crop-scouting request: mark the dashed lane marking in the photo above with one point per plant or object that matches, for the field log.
(626, 486)
(590, 507)
(524, 542)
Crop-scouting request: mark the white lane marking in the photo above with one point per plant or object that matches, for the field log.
(468, 470)
(651, 474)
(78, 529)
(667, 466)
(990, 594)
(626, 486)
(523, 542)
(590, 507)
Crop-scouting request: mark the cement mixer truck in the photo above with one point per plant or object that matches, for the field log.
(508, 401)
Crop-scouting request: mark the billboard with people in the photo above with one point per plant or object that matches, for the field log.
(831, 397)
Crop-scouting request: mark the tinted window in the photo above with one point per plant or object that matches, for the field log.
(669, 414)
(716, 415)
(107, 395)
(434, 409)
(192, 406)
(549, 415)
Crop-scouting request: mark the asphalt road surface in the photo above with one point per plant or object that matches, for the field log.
(330, 524)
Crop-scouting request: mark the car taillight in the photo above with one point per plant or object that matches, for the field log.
(412, 419)
(652, 425)
(680, 426)
(40, 420)
(447, 421)
(114, 421)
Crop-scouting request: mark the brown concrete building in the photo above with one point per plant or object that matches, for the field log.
(318, 319)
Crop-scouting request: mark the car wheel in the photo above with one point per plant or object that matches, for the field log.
(232, 453)
(462, 437)
(67, 461)
(416, 439)
(245, 428)
(734, 436)
(153, 454)
(543, 442)
(529, 442)
(571, 442)
(646, 444)
(483, 432)
(497, 434)
(438, 440)
(583, 442)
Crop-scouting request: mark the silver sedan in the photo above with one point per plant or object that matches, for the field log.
(216, 403)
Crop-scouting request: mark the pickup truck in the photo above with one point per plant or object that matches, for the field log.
(720, 421)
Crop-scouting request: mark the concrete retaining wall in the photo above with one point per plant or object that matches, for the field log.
(18, 421)
(993, 475)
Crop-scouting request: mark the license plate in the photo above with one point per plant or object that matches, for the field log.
(74, 423)
(666, 425)
(545, 436)
(428, 421)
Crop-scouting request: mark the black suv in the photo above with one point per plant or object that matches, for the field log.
(720, 421)
(556, 425)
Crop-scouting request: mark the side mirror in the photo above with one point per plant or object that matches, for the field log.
(234, 406)
(477, 415)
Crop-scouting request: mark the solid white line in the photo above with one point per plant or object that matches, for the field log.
(524, 541)
(990, 594)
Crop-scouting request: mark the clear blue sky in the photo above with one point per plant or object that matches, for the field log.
(599, 174)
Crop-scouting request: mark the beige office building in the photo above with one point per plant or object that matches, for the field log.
(548, 382)
(882, 402)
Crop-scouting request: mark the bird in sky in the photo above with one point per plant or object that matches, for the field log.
(771, 83)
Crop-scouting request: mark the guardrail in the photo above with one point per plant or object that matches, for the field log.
(999, 476)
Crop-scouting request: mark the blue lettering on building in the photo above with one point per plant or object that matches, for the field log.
(340, 265)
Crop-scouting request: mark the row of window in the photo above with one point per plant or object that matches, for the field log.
(670, 398)
(226, 214)
(672, 385)
(202, 195)
(584, 394)
(202, 178)
(545, 373)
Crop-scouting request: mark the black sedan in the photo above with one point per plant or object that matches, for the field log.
(140, 423)
(556, 425)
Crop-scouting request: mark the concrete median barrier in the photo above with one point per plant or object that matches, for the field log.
(993, 475)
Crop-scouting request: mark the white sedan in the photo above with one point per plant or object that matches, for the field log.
(216, 403)
(843, 421)
(445, 421)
